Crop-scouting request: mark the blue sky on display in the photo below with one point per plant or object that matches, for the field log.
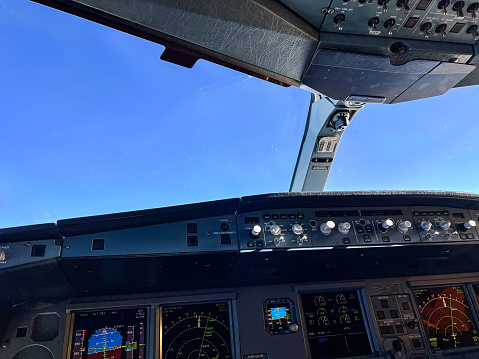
(94, 122)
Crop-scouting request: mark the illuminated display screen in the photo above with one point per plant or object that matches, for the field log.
(195, 331)
(278, 317)
(447, 317)
(335, 325)
(109, 334)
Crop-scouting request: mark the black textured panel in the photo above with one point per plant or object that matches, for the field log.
(437, 82)
(30, 233)
(45, 327)
(115, 221)
(262, 33)
(143, 274)
(34, 352)
(310, 10)
(281, 267)
(339, 74)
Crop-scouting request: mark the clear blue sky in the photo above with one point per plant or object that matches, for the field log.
(94, 122)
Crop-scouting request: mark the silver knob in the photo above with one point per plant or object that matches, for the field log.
(432, 234)
(426, 225)
(297, 229)
(327, 227)
(2, 255)
(445, 225)
(469, 224)
(294, 327)
(387, 223)
(255, 231)
(275, 230)
(404, 226)
(301, 239)
(344, 227)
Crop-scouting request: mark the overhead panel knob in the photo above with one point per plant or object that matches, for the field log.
(441, 29)
(442, 5)
(404, 226)
(388, 223)
(2, 255)
(340, 20)
(344, 227)
(388, 24)
(469, 224)
(445, 225)
(297, 229)
(426, 28)
(255, 231)
(426, 225)
(473, 31)
(472, 9)
(327, 227)
(275, 230)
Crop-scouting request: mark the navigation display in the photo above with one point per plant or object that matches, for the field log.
(195, 331)
(278, 316)
(335, 325)
(447, 317)
(109, 334)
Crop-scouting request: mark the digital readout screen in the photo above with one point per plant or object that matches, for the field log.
(335, 325)
(113, 334)
(447, 317)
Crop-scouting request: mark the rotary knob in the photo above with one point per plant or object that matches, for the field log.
(388, 223)
(426, 225)
(469, 224)
(297, 229)
(404, 226)
(327, 227)
(344, 228)
(275, 230)
(255, 232)
(2, 255)
(445, 225)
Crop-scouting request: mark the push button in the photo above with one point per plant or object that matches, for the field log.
(384, 303)
(383, 330)
(405, 306)
(399, 328)
(367, 238)
(98, 244)
(225, 238)
(406, 238)
(191, 227)
(394, 314)
(259, 244)
(192, 241)
(470, 236)
(346, 241)
(38, 250)
(250, 243)
(386, 239)
(380, 315)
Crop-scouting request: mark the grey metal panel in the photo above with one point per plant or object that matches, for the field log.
(340, 74)
(262, 33)
(157, 239)
(19, 253)
(437, 82)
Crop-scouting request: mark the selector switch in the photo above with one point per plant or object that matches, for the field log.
(275, 230)
(2, 255)
(383, 3)
(403, 226)
(473, 31)
(344, 227)
(326, 228)
(445, 225)
(441, 29)
(426, 29)
(388, 24)
(340, 20)
(385, 225)
(472, 9)
(373, 22)
(469, 224)
(255, 232)
(297, 229)
(426, 225)
(403, 4)
(442, 5)
(457, 7)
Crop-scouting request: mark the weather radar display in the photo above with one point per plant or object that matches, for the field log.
(199, 331)
(447, 317)
(112, 334)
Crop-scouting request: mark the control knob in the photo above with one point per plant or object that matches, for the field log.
(426, 28)
(383, 3)
(2, 255)
(441, 29)
(373, 22)
(473, 31)
(388, 24)
(445, 225)
(301, 239)
(327, 227)
(403, 226)
(340, 20)
(426, 225)
(388, 223)
(457, 7)
(275, 230)
(469, 224)
(473, 8)
(442, 5)
(297, 229)
(255, 232)
(344, 227)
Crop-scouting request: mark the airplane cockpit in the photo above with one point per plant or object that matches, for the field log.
(299, 274)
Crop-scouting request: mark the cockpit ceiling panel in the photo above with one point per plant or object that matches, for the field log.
(261, 33)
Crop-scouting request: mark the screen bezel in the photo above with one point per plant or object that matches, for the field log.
(70, 323)
(359, 289)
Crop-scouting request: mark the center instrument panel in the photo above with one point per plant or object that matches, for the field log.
(331, 275)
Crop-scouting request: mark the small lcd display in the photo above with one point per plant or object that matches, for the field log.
(278, 317)
(113, 334)
(447, 317)
(335, 325)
